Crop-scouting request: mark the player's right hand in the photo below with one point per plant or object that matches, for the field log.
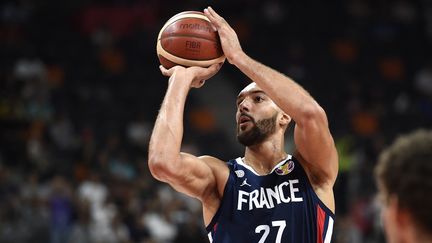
(228, 37)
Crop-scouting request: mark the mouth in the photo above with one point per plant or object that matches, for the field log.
(244, 120)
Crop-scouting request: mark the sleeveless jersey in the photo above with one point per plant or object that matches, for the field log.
(280, 207)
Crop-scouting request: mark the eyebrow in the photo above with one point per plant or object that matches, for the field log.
(250, 92)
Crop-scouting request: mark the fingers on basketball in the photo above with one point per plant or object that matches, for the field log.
(215, 15)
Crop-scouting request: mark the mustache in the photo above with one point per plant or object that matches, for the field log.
(247, 115)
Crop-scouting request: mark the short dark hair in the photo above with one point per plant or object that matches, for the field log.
(405, 170)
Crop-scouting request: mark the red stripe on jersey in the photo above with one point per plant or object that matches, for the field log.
(320, 224)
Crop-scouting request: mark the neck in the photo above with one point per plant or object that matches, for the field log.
(409, 230)
(416, 235)
(265, 156)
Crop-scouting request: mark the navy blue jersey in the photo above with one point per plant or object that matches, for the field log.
(280, 207)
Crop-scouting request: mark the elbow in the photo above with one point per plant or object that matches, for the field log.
(312, 114)
(162, 161)
(163, 166)
(158, 167)
(155, 167)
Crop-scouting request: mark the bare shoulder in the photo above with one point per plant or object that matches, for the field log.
(322, 185)
(219, 169)
(212, 161)
(314, 172)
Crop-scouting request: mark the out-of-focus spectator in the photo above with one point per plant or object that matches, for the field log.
(62, 134)
(138, 132)
(29, 69)
(423, 80)
(94, 192)
(121, 167)
(80, 231)
(61, 210)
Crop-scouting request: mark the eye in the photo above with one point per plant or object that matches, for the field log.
(239, 102)
(258, 99)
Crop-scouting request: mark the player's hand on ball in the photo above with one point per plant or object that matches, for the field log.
(196, 75)
(228, 37)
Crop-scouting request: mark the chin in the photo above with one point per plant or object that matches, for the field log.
(244, 127)
(241, 132)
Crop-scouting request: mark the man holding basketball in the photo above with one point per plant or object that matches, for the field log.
(267, 195)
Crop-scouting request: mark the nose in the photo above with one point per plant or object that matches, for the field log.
(244, 106)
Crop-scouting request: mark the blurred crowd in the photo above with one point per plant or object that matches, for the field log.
(80, 89)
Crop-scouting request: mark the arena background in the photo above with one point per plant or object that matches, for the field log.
(80, 89)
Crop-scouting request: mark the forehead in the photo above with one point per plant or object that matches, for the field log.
(251, 88)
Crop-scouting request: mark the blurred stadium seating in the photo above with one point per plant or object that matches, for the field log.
(80, 89)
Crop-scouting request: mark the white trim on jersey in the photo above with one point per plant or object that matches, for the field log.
(329, 231)
(210, 237)
(242, 163)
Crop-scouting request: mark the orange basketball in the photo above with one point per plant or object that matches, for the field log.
(188, 39)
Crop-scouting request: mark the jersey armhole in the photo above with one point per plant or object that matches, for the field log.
(228, 185)
(321, 203)
(323, 206)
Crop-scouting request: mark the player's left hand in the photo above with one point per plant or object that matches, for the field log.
(196, 75)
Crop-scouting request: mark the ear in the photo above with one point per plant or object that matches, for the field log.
(401, 215)
(284, 119)
(402, 218)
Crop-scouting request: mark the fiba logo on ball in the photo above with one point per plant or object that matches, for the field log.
(193, 46)
(188, 39)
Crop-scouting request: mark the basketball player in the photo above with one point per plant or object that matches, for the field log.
(404, 176)
(267, 195)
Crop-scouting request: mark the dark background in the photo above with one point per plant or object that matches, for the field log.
(80, 89)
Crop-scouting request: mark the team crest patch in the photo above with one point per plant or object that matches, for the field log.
(286, 168)
(240, 173)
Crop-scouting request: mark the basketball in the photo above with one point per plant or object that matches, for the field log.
(188, 39)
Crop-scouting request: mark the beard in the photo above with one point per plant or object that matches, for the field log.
(259, 131)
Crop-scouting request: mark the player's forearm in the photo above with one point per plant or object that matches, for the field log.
(285, 92)
(165, 142)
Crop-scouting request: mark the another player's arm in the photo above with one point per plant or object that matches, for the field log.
(312, 136)
(185, 172)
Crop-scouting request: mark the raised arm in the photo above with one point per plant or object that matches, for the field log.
(194, 176)
(313, 140)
